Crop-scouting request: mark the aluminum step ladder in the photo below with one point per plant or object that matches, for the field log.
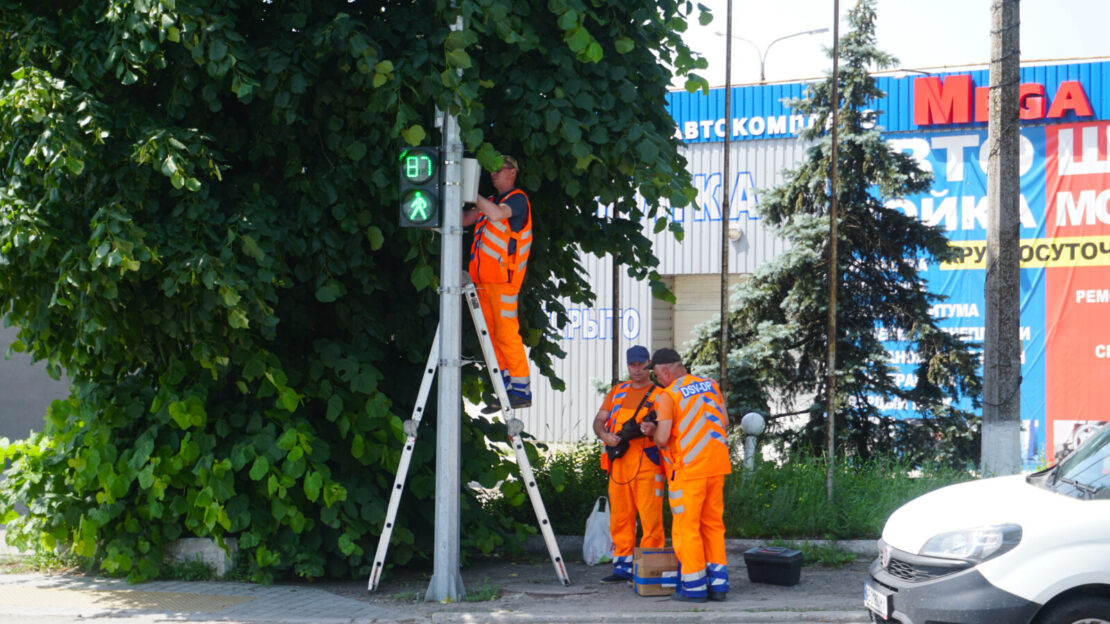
(515, 428)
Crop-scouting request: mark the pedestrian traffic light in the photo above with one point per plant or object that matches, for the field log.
(421, 179)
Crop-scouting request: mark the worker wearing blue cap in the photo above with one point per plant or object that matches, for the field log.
(634, 465)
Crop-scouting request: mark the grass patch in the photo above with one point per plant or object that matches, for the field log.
(484, 592)
(39, 562)
(788, 501)
(189, 570)
(409, 595)
(569, 479)
(824, 555)
(772, 501)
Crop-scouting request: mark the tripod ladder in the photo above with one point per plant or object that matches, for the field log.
(515, 428)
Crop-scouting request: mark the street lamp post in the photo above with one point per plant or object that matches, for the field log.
(763, 53)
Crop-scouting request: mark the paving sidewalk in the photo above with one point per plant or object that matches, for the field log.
(517, 591)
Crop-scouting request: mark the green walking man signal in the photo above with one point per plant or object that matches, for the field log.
(421, 186)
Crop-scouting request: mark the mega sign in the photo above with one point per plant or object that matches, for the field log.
(956, 100)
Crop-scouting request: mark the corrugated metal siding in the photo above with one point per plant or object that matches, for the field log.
(567, 416)
(755, 166)
(697, 300)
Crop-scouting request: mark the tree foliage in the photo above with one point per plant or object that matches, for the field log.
(778, 327)
(199, 227)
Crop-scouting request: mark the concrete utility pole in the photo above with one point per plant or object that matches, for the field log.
(1002, 344)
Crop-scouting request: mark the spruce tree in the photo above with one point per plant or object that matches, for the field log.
(778, 319)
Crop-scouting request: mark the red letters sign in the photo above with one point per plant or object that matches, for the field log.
(955, 100)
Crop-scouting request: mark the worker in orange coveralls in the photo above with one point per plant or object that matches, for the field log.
(498, 260)
(636, 477)
(692, 428)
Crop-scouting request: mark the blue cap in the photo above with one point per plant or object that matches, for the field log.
(637, 354)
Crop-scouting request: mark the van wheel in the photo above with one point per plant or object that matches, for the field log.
(1084, 610)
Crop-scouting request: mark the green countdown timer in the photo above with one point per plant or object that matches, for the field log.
(417, 206)
(418, 168)
(420, 189)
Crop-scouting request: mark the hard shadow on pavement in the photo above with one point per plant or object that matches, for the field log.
(530, 586)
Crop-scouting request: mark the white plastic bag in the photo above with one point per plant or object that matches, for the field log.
(597, 544)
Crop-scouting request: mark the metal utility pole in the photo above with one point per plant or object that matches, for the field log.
(446, 583)
(834, 277)
(1001, 430)
(722, 377)
(616, 325)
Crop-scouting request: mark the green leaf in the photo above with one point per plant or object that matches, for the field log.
(238, 320)
(346, 544)
(251, 248)
(260, 468)
(179, 412)
(356, 150)
(594, 52)
(328, 292)
(579, 39)
(288, 439)
(458, 59)
(229, 296)
(169, 166)
(313, 483)
(375, 237)
(568, 19)
(414, 135)
(423, 277)
(624, 45)
(146, 477)
(217, 50)
(290, 400)
(335, 407)
(334, 493)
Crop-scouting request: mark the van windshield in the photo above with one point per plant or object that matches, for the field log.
(1087, 469)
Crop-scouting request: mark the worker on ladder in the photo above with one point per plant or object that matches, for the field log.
(498, 260)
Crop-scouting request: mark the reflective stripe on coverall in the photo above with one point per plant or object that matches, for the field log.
(698, 454)
(635, 481)
(498, 260)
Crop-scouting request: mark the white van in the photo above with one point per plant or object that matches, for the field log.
(1018, 549)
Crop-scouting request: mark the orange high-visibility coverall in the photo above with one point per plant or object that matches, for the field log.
(697, 454)
(498, 260)
(635, 479)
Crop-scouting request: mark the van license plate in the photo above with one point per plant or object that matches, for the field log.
(877, 600)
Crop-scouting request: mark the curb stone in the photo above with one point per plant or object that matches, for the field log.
(570, 546)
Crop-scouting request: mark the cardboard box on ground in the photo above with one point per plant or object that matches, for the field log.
(654, 571)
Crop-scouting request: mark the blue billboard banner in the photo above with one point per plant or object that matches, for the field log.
(946, 100)
(957, 204)
(940, 120)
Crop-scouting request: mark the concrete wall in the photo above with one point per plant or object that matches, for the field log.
(25, 391)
